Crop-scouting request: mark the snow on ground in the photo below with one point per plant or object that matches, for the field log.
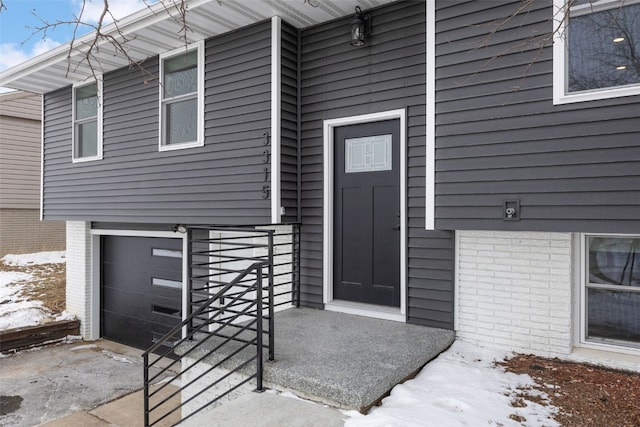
(461, 387)
(36, 258)
(15, 310)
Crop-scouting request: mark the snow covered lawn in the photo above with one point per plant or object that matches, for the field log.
(462, 387)
(18, 275)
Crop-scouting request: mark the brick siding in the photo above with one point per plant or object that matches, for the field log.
(514, 291)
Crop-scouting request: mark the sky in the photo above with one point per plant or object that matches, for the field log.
(21, 18)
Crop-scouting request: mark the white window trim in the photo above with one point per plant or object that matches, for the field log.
(199, 142)
(583, 342)
(560, 95)
(75, 86)
(369, 310)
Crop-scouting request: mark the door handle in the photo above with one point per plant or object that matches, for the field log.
(397, 227)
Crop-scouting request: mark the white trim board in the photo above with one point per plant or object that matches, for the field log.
(430, 148)
(276, 112)
(327, 227)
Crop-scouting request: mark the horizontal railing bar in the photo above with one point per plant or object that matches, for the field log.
(196, 378)
(234, 388)
(221, 292)
(199, 344)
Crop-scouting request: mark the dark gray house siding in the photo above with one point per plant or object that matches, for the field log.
(289, 123)
(339, 80)
(573, 167)
(220, 183)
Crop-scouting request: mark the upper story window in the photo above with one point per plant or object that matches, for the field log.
(182, 98)
(87, 121)
(596, 49)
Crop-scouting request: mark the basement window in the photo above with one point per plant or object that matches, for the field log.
(612, 290)
(87, 121)
(596, 49)
(182, 98)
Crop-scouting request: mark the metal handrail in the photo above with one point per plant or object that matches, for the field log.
(218, 311)
(257, 286)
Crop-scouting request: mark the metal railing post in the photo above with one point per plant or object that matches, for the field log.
(189, 294)
(146, 389)
(271, 302)
(259, 360)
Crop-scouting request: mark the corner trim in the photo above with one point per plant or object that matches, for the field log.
(41, 157)
(430, 149)
(276, 42)
(327, 209)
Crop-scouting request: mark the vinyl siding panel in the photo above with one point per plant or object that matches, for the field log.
(573, 167)
(220, 183)
(289, 120)
(339, 80)
(20, 137)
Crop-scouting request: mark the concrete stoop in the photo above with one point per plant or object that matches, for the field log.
(341, 360)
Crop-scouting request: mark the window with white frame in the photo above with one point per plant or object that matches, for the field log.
(181, 98)
(87, 121)
(612, 290)
(596, 49)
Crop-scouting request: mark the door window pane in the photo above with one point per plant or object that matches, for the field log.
(368, 154)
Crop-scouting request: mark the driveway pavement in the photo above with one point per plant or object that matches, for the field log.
(47, 383)
(98, 384)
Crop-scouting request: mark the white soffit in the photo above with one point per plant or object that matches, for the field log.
(155, 30)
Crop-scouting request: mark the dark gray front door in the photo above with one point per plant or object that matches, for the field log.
(367, 213)
(141, 288)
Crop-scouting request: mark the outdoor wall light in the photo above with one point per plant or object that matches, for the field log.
(180, 228)
(360, 28)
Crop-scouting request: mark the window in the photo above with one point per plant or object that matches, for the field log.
(181, 98)
(596, 50)
(612, 290)
(87, 121)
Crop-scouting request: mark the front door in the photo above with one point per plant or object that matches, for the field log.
(366, 213)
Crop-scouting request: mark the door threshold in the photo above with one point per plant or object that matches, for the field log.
(367, 310)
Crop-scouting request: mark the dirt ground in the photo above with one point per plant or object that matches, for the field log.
(48, 284)
(587, 396)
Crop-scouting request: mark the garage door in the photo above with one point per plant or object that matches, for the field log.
(141, 288)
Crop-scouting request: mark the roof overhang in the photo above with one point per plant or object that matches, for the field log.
(157, 29)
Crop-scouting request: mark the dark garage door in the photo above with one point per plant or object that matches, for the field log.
(141, 288)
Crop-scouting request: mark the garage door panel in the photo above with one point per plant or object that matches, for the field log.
(141, 281)
(140, 305)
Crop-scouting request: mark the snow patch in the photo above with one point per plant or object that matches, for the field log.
(21, 260)
(83, 347)
(462, 387)
(65, 316)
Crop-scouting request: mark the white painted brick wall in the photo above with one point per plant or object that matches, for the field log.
(514, 291)
(79, 274)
